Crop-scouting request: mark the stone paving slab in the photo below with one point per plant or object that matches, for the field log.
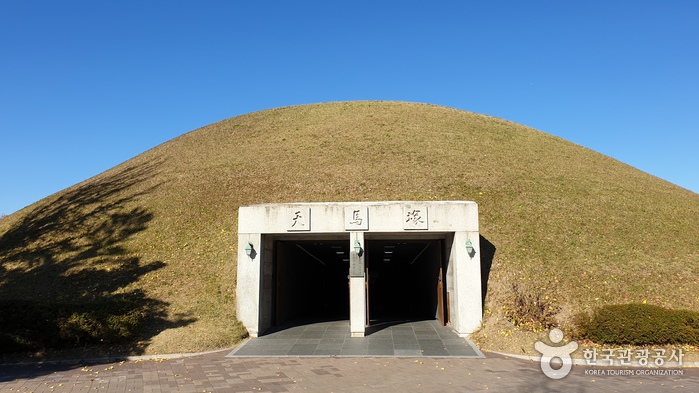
(412, 338)
(214, 372)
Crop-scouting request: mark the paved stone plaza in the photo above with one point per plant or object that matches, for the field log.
(214, 372)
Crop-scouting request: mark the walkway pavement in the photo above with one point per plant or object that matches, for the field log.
(226, 371)
(215, 372)
(415, 339)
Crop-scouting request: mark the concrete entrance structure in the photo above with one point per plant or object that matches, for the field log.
(363, 260)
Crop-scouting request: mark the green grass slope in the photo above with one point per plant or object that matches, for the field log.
(157, 234)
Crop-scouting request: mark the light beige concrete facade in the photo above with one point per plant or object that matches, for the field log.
(453, 224)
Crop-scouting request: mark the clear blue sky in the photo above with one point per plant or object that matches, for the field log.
(86, 85)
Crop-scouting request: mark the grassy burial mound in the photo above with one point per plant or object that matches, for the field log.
(142, 257)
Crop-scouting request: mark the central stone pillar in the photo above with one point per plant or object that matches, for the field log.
(357, 285)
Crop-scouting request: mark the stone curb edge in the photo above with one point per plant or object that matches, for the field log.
(113, 359)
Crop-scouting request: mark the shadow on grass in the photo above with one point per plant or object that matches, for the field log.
(487, 254)
(66, 274)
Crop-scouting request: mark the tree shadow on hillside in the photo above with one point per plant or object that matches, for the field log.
(66, 274)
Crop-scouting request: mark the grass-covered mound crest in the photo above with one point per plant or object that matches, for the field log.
(639, 324)
(562, 221)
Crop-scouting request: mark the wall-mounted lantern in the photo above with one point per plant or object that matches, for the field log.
(358, 248)
(469, 248)
(249, 250)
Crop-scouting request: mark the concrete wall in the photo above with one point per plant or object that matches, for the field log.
(259, 224)
(452, 216)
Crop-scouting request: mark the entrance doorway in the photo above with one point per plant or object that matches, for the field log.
(405, 281)
(325, 260)
(310, 281)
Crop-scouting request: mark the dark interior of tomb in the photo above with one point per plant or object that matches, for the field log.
(311, 280)
(403, 278)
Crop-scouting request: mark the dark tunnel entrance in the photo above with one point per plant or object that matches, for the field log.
(311, 281)
(405, 280)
